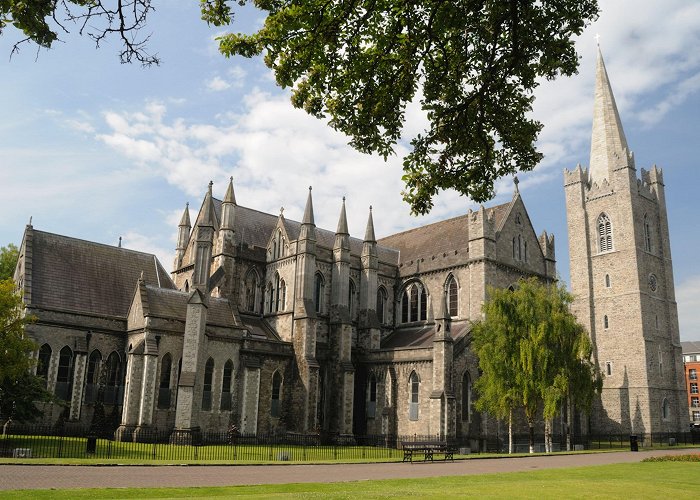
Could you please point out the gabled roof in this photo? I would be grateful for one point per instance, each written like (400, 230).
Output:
(438, 238)
(70, 274)
(172, 304)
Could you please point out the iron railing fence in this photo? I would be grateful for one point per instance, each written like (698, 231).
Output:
(76, 441)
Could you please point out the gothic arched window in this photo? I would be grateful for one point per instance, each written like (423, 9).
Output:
(166, 365)
(276, 395)
(251, 291)
(64, 377)
(114, 391)
(226, 388)
(452, 291)
(647, 234)
(381, 304)
(270, 298)
(665, 409)
(413, 303)
(351, 299)
(414, 386)
(372, 396)
(92, 379)
(605, 237)
(206, 390)
(42, 367)
(319, 286)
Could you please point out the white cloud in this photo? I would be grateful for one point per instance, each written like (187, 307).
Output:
(688, 298)
(148, 244)
(217, 84)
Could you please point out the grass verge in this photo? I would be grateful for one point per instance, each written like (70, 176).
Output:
(676, 480)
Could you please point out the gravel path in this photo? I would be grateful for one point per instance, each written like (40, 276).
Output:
(14, 477)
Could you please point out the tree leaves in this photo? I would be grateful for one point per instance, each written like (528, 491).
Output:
(532, 352)
(359, 63)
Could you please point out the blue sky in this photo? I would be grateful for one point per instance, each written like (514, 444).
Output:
(94, 149)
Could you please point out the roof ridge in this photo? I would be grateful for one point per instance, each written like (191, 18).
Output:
(99, 244)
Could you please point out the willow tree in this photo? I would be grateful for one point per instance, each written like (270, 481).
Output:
(533, 355)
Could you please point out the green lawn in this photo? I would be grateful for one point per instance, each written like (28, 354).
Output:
(640, 480)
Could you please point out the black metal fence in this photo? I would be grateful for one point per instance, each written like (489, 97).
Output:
(70, 441)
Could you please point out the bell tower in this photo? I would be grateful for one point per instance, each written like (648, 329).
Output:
(622, 279)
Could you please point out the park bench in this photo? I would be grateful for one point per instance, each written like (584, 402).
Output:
(428, 449)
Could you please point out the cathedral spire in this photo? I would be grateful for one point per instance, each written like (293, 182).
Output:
(308, 211)
(185, 220)
(369, 232)
(207, 218)
(228, 207)
(230, 197)
(342, 221)
(608, 142)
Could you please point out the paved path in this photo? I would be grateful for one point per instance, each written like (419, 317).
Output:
(80, 476)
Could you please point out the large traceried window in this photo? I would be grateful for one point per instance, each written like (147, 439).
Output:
(319, 288)
(275, 405)
(206, 392)
(605, 237)
(381, 304)
(413, 303)
(414, 387)
(452, 291)
(226, 387)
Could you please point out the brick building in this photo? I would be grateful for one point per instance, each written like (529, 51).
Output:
(691, 364)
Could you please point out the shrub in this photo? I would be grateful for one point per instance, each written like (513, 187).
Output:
(691, 457)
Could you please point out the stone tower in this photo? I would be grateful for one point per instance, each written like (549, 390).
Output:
(622, 278)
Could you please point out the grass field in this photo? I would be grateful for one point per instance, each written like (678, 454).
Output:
(675, 480)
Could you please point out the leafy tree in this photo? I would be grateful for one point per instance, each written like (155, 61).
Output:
(533, 354)
(14, 359)
(18, 397)
(41, 20)
(471, 65)
(20, 390)
(8, 261)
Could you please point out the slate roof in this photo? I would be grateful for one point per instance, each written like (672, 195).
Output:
(438, 239)
(75, 275)
(255, 228)
(691, 347)
(420, 336)
(172, 304)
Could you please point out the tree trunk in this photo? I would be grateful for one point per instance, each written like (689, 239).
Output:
(510, 432)
(569, 415)
(547, 435)
(531, 429)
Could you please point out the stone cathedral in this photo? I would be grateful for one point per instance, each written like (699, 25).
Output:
(273, 325)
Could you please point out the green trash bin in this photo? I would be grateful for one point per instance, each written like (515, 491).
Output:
(634, 443)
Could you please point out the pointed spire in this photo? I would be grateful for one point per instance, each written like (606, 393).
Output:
(208, 209)
(185, 220)
(342, 221)
(369, 232)
(230, 196)
(608, 142)
(444, 313)
(309, 211)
